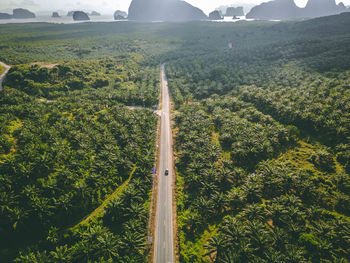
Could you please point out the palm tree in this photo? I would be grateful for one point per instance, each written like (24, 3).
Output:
(61, 254)
(232, 229)
(132, 225)
(81, 187)
(31, 257)
(136, 210)
(338, 260)
(53, 236)
(194, 222)
(294, 254)
(279, 238)
(273, 256)
(132, 242)
(254, 212)
(236, 198)
(219, 200)
(131, 195)
(225, 178)
(64, 201)
(217, 245)
(230, 256)
(276, 212)
(208, 188)
(258, 236)
(92, 232)
(7, 200)
(17, 216)
(204, 206)
(245, 250)
(107, 245)
(194, 167)
(253, 192)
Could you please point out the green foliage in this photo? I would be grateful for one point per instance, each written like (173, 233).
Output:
(262, 139)
(121, 80)
(243, 118)
(56, 42)
(68, 141)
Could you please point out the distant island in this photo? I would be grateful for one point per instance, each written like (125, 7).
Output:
(215, 15)
(229, 10)
(5, 16)
(18, 13)
(234, 11)
(164, 10)
(94, 13)
(120, 15)
(80, 16)
(287, 9)
(55, 15)
(317, 8)
(83, 15)
(21, 13)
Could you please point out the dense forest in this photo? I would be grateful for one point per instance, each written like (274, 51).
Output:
(262, 143)
(70, 140)
(262, 128)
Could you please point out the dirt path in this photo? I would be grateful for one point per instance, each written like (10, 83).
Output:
(3, 75)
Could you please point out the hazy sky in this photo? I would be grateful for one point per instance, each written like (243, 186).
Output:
(109, 6)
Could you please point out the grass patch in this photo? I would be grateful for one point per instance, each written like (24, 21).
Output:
(195, 251)
(301, 158)
(225, 155)
(2, 69)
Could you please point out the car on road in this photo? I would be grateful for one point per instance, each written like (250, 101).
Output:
(166, 172)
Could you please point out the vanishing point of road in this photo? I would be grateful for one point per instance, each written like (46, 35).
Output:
(164, 241)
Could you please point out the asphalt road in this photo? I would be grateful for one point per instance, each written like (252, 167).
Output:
(2, 76)
(164, 242)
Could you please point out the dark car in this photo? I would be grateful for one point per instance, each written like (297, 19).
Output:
(166, 172)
